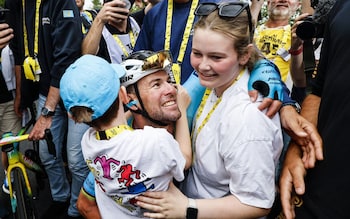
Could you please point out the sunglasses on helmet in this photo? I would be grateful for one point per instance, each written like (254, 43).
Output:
(160, 60)
(226, 9)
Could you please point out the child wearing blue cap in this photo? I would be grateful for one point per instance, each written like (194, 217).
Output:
(125, 162)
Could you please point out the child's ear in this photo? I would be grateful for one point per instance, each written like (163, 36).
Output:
(123, 95)
(126, 99)
(243, 59)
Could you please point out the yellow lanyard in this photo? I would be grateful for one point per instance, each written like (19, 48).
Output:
(122, 46)
(110, 133)
(185, 37)
(36, 28)
(201, 107)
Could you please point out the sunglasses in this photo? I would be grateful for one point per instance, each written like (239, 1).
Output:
(160, 60)
(226, 9)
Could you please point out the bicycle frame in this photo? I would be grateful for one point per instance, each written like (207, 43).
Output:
(16, 159)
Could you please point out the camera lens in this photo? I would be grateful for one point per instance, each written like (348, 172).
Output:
(306, 30)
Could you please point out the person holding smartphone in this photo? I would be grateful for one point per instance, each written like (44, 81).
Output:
(113, 33)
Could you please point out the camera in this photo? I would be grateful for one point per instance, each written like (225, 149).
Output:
(3, 12)
(309, 29)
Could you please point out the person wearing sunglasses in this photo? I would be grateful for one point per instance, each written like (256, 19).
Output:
(125, 162)
(168, 26)
(236, 146)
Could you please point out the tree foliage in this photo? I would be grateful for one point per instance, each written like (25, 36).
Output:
(96, 4)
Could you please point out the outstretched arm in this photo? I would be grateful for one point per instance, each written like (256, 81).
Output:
(173, 204)
(109, 12)
(299, 158)
(182, 132)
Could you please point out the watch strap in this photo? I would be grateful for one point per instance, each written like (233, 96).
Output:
(192, 211)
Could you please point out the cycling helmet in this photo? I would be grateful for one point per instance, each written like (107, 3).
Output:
(143, 63)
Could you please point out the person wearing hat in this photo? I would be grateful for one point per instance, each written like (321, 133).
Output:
(125, 162)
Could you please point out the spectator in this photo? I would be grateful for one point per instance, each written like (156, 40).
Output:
(321, 186)
(9, 121)
(223, 130)
(48, 42)
(113, 33)
(273, 37)
(87, 16)
(93, 100)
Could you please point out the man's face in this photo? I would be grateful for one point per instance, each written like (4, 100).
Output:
(282, 9)
(159, 97)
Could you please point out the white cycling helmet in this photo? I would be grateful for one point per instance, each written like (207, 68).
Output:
(143, 63)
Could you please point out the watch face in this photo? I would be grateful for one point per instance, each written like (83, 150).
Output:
(191, 213)
(46, 112)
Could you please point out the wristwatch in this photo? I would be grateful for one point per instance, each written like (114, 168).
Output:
(295, 104)
(46, 112)
(192, 210)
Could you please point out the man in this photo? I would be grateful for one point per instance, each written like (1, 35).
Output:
(46, 43)
(113, 33)
(87, 16)
(147, 107)
(9, 121)
(324, 191)
(273, 38)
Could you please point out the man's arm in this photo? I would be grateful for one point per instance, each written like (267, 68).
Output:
(87, 206)
(52, 99)
(109, 12)
(296, 163)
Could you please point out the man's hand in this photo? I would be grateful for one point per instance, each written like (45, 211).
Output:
(292, 177)
(113, 11)
(6, 34)
(304, 133)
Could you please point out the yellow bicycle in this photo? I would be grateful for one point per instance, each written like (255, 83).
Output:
(21, 195)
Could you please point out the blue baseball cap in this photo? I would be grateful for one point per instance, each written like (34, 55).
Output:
(91, 82)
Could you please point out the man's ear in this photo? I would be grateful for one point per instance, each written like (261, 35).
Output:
(243, 59)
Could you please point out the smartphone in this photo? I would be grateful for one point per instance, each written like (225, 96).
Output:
(3, 12)
(127, 3)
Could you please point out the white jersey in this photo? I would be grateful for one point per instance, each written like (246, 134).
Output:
(236, 151)
(133, 162)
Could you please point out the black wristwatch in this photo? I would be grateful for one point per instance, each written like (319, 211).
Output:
(46, 112)
(295, 104)
(192, 210)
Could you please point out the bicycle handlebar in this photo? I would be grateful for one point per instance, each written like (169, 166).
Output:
(13, 139)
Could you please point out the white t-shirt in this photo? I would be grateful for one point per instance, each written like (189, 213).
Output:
(237, 150)
(129, 164)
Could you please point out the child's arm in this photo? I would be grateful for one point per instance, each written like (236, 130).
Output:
(182, 132)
